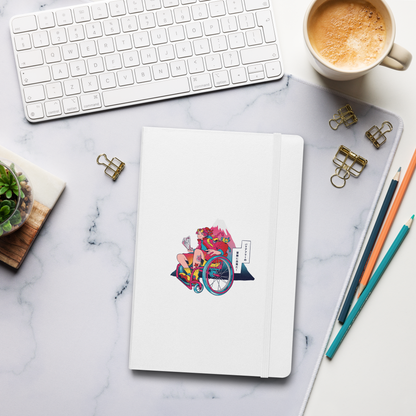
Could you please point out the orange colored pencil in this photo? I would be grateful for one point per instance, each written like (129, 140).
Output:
(387, 225)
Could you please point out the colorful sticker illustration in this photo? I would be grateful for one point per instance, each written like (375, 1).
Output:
(215, 263)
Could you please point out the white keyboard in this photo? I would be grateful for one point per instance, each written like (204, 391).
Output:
(112, 54)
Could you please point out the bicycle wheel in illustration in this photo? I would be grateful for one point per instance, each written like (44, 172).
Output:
(218, 275)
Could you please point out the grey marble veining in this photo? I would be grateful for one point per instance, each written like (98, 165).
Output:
(65, 315)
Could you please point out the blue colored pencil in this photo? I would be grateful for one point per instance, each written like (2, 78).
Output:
(370, 245)
(369, 289)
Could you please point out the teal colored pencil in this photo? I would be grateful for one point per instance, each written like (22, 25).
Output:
(369, 289)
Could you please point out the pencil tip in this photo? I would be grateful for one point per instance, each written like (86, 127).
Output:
(400, 169)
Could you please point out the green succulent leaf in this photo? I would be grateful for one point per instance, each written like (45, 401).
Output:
(16, 219)
(3, 190)
(9, 193)
(7, 227)
(2, 170)
(5, 210)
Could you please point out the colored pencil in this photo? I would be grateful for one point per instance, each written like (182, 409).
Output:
(369, 289)
(368, 249)
(387, 225)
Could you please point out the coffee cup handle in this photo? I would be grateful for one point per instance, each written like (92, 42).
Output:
(398, 58)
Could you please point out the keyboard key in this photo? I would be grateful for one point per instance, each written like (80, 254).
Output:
(213, 62)
(141, 39)
(246, 21)
(235, 6)
(99, 11)
(236, 40)
(113, 62)
(254, 37)
(211, 27)
(176, 33)
(117, 8)
(72, 87)
(64, 17)
(178, 68)
(147, 21)
(111, 27)
(46, 20)
(143, 74)
(58, 36)
(22, 42)
(91, 101)
(256, 4)
(262, 53)
(238, 75)
(70, 105)
(90, 84)
(54, 90)
(264, 19)
(196, 65)
(35, 111)
(123, 42)
(105, 45)
(70, 51)
(217, 8)
(160, 71)
(60, 71)
(107, 81)
(93, 30)
(221, 78)
(24, 24)
(201, 82)
(152, 4)
(199, 11)
(53, 108)
(76, 33)
(182, 15)
(129, 24)
(148, 91)
(52, 55)
(95, 65)
(82, 14)
(88, 48)
(135, 6)
(130, 59)
(40, 39)
(35, 75)
(77, 68)
(230, 59)
(35, 93)
(273, 69)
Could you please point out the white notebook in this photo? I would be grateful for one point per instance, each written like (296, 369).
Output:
(216, 252)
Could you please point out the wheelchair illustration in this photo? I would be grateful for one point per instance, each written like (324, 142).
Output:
(217, 275)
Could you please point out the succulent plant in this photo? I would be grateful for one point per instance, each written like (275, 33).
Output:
(9, 188)
(6, 209)
(8, 184)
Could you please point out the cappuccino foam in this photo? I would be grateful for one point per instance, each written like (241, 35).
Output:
(348, 34)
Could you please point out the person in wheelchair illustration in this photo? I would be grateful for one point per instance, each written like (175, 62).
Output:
(207, 265)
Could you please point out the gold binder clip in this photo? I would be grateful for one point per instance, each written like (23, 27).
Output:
(377, 136)
(345, 116)
(113, 168)
(347, 162)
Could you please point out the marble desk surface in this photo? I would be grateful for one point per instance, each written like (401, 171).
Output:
(65, 315)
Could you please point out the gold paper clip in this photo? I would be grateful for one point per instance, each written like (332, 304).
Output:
(347, 161)
(377, 136)
(345, 116)
(113, 168)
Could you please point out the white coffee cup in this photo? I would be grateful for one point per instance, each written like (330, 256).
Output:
(394, 56)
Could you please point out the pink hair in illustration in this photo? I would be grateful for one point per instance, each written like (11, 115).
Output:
(215, 263)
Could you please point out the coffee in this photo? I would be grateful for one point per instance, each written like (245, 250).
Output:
(350, 35)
